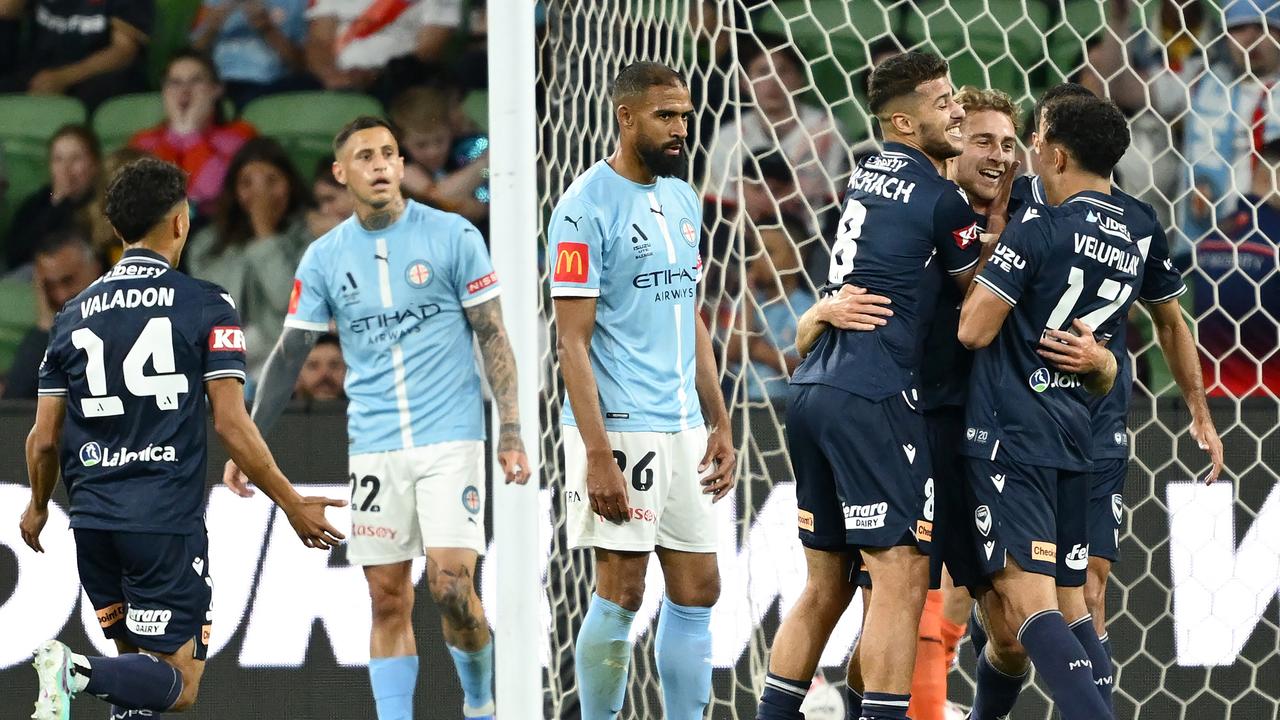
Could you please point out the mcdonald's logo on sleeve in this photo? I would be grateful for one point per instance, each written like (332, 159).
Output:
(572, 263)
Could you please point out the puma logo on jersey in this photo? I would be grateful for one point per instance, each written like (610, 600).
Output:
(573, 222)
(226, 339)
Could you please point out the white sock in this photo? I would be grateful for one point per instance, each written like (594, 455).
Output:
(80, 672)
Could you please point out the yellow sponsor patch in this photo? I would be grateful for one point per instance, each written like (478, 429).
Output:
(924, 531)
(806, 520)
(1044, 551)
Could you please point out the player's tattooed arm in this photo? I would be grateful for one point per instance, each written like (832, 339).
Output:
(42, 467)
(500, 368)
(1179, 349)
(852, 308)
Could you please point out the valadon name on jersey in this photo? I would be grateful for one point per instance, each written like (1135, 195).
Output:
(900, 216)
(131, 355)
(1160, 281)
(1053, 264)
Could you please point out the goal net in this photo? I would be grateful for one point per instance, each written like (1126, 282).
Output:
(779, 91)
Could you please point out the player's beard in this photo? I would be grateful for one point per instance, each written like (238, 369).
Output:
(937, 146)
(661, 164)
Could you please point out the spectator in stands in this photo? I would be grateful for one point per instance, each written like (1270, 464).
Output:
(1226, 98)
(441, 169)
(378, 46)
(333, 203)
(323, 372)
(102, 236)
(194, 135)
(812, 142)
(64, 265)
(75, 162)
(778, 294)
(257, 237)
(89, 49)
(1237, 291)
(256, 45)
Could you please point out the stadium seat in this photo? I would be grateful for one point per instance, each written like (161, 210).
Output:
(18, 298)
(117, 119)
(26, 124)
(171, 32)
(305, 122)
(476, 107)
(1005, 39)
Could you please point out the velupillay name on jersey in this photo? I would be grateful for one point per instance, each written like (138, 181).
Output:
(886, 186)
(1109, 255)
(391, 322)
(130, 298)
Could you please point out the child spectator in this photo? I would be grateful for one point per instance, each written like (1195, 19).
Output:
(441, 169)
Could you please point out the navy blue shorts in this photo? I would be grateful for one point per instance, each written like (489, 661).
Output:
(862, 470)
(152, 591)
(1039, 515)
(952, 543)
(1106, 507)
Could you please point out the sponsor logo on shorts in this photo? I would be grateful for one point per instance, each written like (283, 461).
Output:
(198, 566)
(471, 499)
(642, 514)
(1078, 558)
(1121, 438)
(805, 520)
(990, 547)
(573, 496)
(205, 632)
(1044, 551)
(977, 435)
(1117, 507)
(373, 531)
(910, 450)
(91, 454)
(982, 518)
(998, 480)
(148, 622)
(924, 531)
(110, 615)
(865, 517)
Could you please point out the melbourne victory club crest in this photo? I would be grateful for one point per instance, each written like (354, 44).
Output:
(689, 232)
(418, 273)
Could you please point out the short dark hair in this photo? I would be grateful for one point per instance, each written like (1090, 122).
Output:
(141, 194)
(1054, 94)
(71, 236)
(79, 132)
(900, 75)
(328, 339)
(230, 217)
(364, 122)
(324, 172)
(638, 77)
(1092, 129)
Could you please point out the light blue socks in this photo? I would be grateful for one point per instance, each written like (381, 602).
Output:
(601, 658)
(393, 680)
(475, 672)
(683, 649)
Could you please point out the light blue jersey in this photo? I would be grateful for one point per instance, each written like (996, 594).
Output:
(634, 248)
(398, 297)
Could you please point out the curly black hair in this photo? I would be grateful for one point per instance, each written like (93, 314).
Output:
(141, 194)
(1092, 129)
(899, 75)
(1054, 94)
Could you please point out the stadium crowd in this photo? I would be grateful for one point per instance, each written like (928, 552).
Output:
(185, 80)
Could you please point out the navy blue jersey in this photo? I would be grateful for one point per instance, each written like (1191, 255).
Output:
(944, 363)
(1160, 282)
(899, 213)
(131, 354)
(1052, 264)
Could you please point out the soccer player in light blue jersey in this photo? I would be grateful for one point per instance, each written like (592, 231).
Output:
(409, 288)
(647, 442)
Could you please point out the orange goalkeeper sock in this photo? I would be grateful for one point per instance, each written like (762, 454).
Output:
(929, 684)
(951, 636)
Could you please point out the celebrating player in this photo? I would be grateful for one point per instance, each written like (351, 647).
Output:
(1161, 284)
(408, 287)
(642, 469)
(858, 443)
(1066, 274)
(130, 443)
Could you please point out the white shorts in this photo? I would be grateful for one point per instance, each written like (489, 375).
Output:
(668, 507)
(403, 501)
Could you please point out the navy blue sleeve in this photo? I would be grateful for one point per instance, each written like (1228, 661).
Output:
(1161, 280)
(1012, 266)
(956, 228)
(53, 374)
(224, 348)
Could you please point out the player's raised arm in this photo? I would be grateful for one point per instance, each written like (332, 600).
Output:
(1180, 352)
(500, 368)
(249, 452)
(720, 457)
(42, 466)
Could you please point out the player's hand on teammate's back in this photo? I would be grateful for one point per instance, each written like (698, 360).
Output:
(32, 523)
(235, 479)
(721, 459)
(1076, 352)
(308, 520)
(853, 308)
(607, 488)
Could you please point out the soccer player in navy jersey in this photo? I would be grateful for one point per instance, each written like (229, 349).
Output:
(1064, 277)
(647, 439)
(857, 439)
(121, 414)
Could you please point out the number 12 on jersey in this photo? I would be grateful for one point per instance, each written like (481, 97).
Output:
(155, 342)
